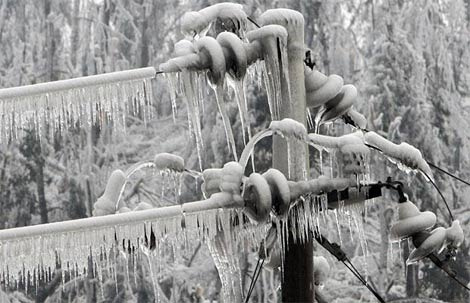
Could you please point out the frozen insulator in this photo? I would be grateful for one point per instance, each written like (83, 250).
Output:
(257, 197)
(212, 178)
(143, 206)
(340, 104)
(212, 49)
(235, 54)
(321, 88)
(321, 270)
(433, 242)
(355, 118)
(106, 204)
(411, 221)
(166, 161)
(280, 191)
(232, 174)
(269, 37)
(454, 234)
(230, 15)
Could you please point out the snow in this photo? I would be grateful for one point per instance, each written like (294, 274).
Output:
(257, 196)
(408, 155)
(184, 47)
(231, 182)
(281, 16)
(289, 128)
(166, 161)
(411, 221)
(280, 191)
(340, 104)
(106, 204)
(216, 57)
(432, 244)
(211, 177)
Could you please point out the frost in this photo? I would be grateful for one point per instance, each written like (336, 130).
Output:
(409, 156)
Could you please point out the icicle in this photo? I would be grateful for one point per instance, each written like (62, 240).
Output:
(61, 104)
(219, 93)
(239, 90)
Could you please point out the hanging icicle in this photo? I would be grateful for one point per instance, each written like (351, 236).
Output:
(56, 106)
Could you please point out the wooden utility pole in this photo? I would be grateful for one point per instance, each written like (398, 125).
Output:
(298, 282)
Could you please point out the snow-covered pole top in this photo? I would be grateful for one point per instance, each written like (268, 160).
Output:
(63, 85)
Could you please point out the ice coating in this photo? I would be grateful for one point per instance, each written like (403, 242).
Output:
(433, 243)
(408, 155)
(358, 119)
(454, 234)
(281, 16)
(289, 128)
(65, 103)
(235, 54)
(411, 221)
(340, 104)
(212, 178)
(143, 206)
(184, 47)
(320, 88)
(273, 41)
(318, 186)
(280, 191)
(257, 197)
(200, 21)
(166, 161)
(216, 57)
(106, 204)
(231, 182)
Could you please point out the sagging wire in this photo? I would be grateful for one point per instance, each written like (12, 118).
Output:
(335, 250)
(451, 273)
(256, 273)
(448, 173)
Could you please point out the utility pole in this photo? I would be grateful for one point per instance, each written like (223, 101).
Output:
(297, 281)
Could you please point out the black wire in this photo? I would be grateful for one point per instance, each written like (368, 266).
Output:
(440, 193)
(448, 173)
(354, 270)
(256, 273)
(253, 21)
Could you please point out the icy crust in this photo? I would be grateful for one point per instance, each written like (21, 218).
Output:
(199, 22)
(216, 57)
(60, 104)
(289, 128)
(184, 47)
(355, 138)
(321, 88)
(282, 16)
(271, 31)
(340, 104)
(434, 243)
(257, 197)
(280, 191)
(357, 118)
(166, 161)
(408, 155)
(318, 186)
(411, 221)
(235, 54)
(106, 204)
(227, 179)
(454, 234)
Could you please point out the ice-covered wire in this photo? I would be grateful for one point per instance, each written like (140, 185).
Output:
(254, 22)
(356, 273)
(256, 273)
(430, 180)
